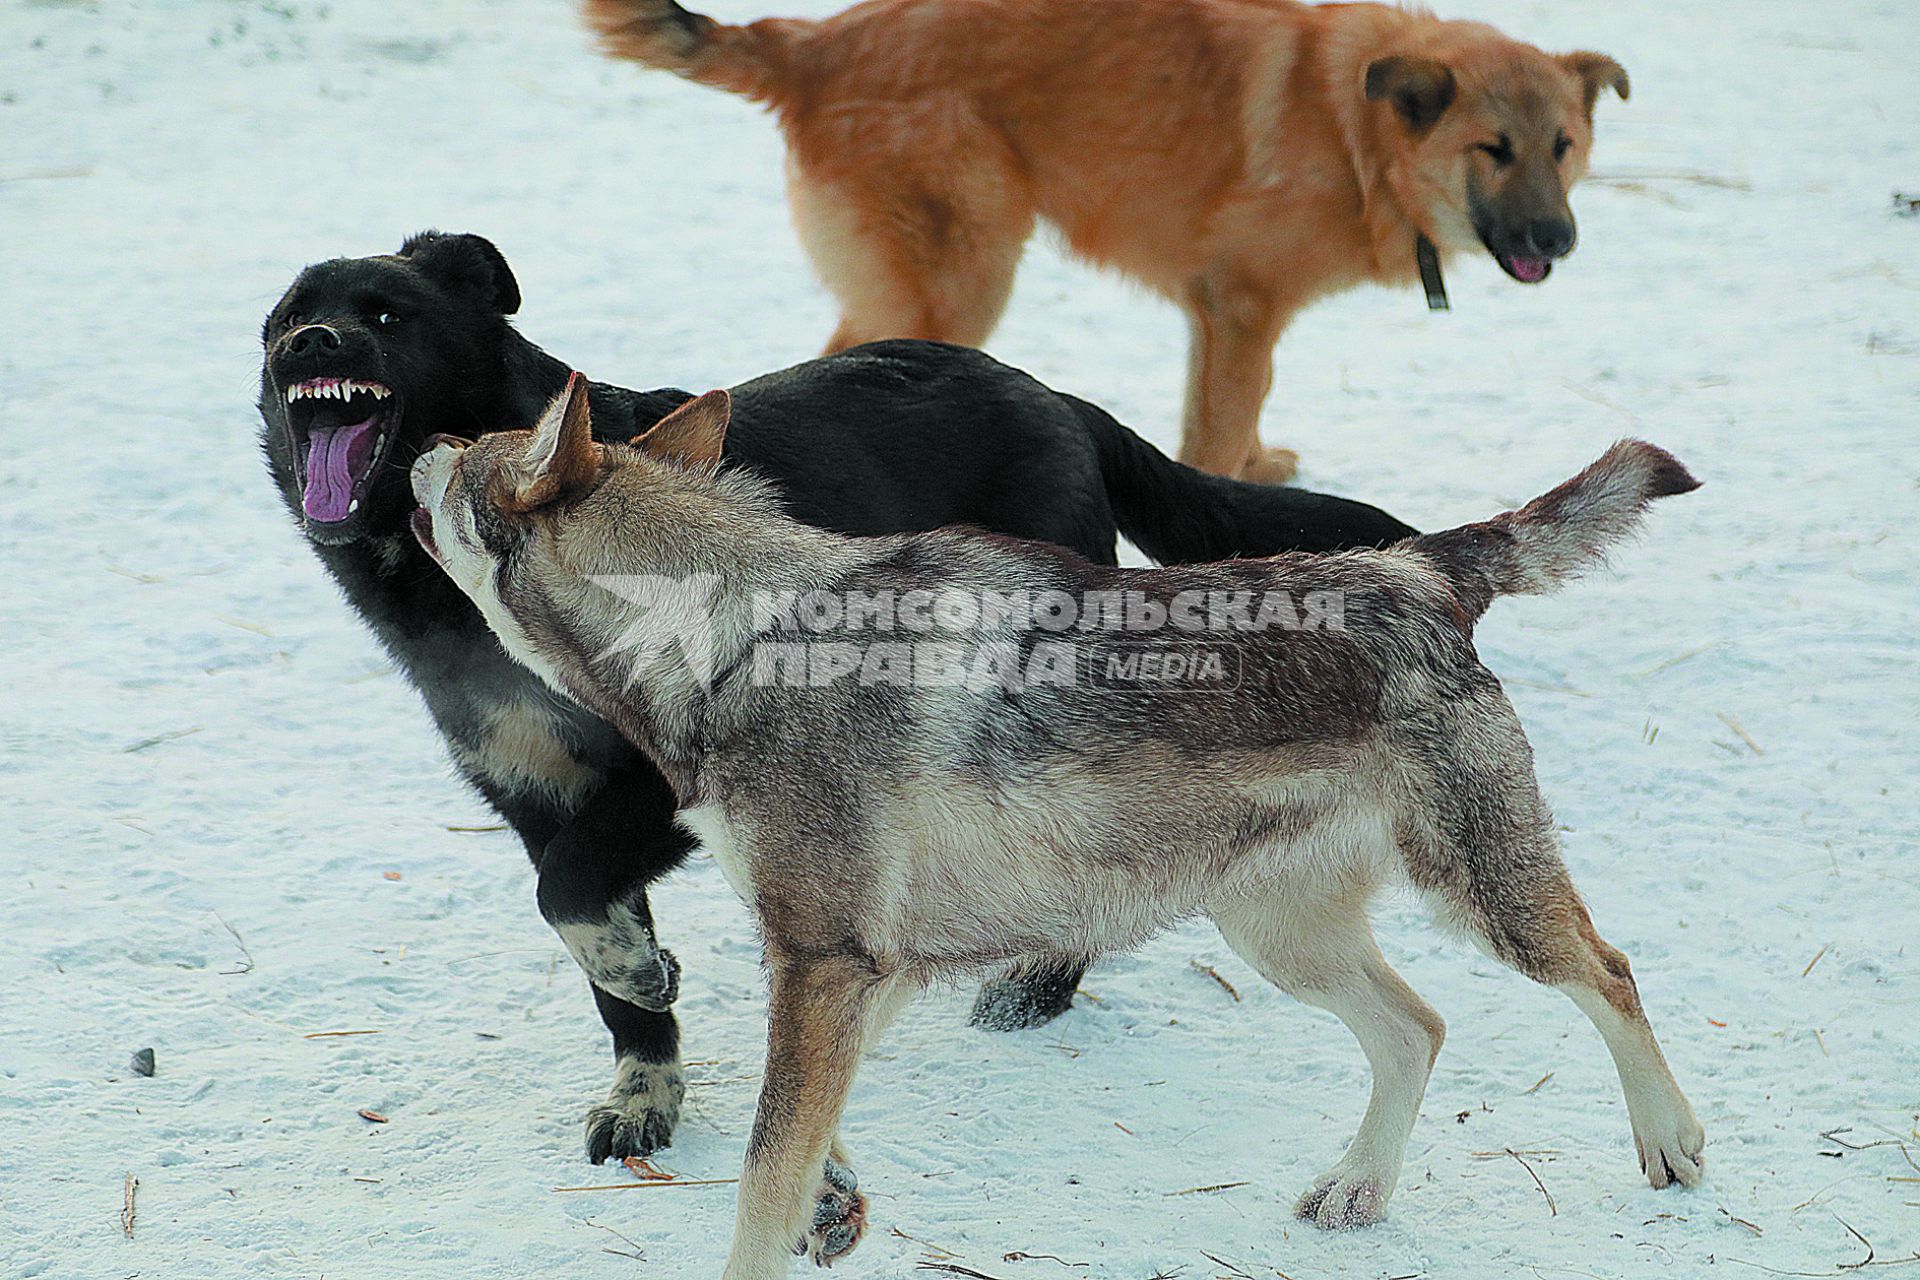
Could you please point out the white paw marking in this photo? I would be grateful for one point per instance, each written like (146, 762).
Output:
(1340, 1201)
(1671, 1149)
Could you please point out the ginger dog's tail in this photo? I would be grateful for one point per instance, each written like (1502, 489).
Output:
(750, 61)
(1559, 534)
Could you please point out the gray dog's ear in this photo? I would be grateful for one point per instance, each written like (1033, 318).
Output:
(468, 263)
(1596, 71)
(692, 435)
(1421, 89)
(562, 458)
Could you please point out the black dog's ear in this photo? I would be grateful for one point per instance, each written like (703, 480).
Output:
(466, 262)
(1421, 89)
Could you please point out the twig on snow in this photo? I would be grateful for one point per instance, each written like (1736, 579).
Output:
(1206, 1191)
(1553, 1210)
(159, 738)
(1672, 175)
(1222, 1262)
(246, 968)
(924, 1244)
(955, 1269)
(1018, 1256)
(1736, 726)
(1214, 973)
(648, 1186)
(638, 1255)
(1816, 960)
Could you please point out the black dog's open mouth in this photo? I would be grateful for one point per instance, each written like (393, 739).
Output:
(344, 426)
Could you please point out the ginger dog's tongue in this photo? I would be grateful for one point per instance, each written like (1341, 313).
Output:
(335, 458)
(1530, 269)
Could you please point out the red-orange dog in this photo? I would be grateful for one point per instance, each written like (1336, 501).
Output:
(1242, 157)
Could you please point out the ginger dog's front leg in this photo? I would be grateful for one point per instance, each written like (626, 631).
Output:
(816, 1023)
(1234, 325)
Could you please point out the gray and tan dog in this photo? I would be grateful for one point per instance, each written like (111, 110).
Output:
(1010, 804)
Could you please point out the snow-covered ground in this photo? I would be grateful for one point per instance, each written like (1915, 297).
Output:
(228, 825)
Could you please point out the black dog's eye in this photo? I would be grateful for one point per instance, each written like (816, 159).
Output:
(386, 319)
(1501, 151)
(1562, 145)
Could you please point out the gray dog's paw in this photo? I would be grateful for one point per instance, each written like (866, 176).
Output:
(1341, 1202)
(839, 1217)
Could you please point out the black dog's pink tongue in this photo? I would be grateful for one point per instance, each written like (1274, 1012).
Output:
(336, 457)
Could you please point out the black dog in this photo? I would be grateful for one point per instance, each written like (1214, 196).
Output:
(367, 357)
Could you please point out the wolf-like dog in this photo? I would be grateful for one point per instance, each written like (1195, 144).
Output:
(886, 831)
(1242, 158)
(364, 358)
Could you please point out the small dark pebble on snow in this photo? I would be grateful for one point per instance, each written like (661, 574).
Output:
(143, 1061)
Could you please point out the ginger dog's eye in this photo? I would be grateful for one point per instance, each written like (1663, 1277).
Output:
(1501, 152)
(1562, 145)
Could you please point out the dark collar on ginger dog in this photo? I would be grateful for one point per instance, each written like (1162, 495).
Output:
(1429, 259)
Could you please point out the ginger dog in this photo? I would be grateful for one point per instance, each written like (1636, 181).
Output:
(991, 786)
(1240, 157)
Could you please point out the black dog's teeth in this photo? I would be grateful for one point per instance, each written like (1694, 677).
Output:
(335, 389)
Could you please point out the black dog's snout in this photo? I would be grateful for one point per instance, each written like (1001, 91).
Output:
(1550, 237)
(315, 338)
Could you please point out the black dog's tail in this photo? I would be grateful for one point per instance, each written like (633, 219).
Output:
(1180, 515)
(755, 61)
(1559, 534)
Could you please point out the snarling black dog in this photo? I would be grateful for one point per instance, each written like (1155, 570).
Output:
(367, 357)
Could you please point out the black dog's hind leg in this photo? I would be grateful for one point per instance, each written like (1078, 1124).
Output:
(593, 890)
(1027, 995)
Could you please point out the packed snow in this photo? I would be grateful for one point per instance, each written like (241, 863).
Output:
(232, 834)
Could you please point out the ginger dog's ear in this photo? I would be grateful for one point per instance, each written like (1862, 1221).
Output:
(1421, 89)
(562, 458)
(1596, 71)
(692, 435)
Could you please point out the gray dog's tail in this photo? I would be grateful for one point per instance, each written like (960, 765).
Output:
(754, 61)
(1559, 534)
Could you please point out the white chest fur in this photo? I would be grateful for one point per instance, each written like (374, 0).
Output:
(709, 825)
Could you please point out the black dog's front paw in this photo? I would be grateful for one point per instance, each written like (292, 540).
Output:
(1026, 996)
(639, 1115)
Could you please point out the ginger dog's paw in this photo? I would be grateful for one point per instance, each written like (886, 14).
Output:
(639, 1115)
(1272, 466)
(1341, 1202)
(839, 1216)
(1673, 1153)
